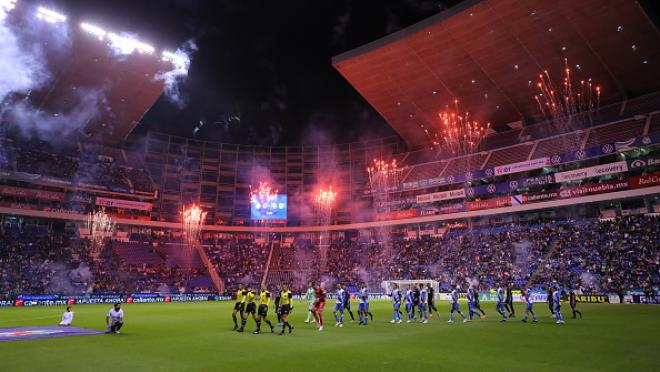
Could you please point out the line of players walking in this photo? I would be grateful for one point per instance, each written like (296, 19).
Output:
(419, 298)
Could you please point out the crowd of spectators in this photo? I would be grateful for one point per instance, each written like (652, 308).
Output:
(84, 165)
(595, 256)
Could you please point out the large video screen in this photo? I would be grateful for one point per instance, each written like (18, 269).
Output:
(273, 210)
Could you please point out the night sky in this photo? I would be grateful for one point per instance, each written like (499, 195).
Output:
(265, 62)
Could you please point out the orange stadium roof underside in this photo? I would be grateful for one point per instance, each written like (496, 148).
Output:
(489, 53)
(127, 84)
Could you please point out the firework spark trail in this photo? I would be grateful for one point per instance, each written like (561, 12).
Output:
(192, 219)
(570, 106)
(325, 202)
(459, 133)
(100, 226)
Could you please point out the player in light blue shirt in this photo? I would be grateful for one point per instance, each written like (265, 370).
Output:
(500, 302)
(395, 293)
(472, 309)
(339, 307)
(528, 306)
(363, 305)
(410, 309)
(556, 300)
(423, 304)
(455, 307)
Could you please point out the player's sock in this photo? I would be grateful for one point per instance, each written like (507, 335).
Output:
(360, 316)
(371, 316)
(235, 321)
(351, 314)
(451, 316)
(336, 317)
(341, 318)
(462, 315)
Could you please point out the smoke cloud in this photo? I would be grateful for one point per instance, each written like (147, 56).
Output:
(175, 77)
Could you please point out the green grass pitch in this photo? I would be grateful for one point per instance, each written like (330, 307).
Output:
(198, 337)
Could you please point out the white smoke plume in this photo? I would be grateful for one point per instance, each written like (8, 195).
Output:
(173, 78)
(22, 66)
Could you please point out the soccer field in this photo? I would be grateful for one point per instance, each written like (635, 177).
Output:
(198, 337)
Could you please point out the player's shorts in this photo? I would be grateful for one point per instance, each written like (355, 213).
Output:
(310, 306)
(396, 305)
(347, 305)
(364, 307)
(421, 306)
(557, 307)
(263, 310)
(528, 306)
(285, 309)
(431, 304)
(251, 308)
(339, 307)
(239, 306)
(318, 306)
(455, 307)
(409, 306)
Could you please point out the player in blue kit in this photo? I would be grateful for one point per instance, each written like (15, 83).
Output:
(339, 307)
(347, 303)
(363, 305)
(472, 297)
(410, 309)
(500, 302)
(396, 296)
(423, 304)
(528, 306)
(556, 300)
(455, 307)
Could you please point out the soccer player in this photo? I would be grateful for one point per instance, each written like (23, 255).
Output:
(431, 300)
(472, 298)
(347, 303)
(551, 305)
(363, 305)
(573, 302)
(67, 317)
(262, 312)
(395, 293)
(415, 299)
(309, 296)
(455, 307)
(508, 302)
(556, 300)
(114, 319)
(339, 307)
(477, 305)
(278, 297)
(250, 308)
(285, 308)
(239, 306)
(500, 303)
(319, 305)
(410, 308)
(528, 307)
(423, 303)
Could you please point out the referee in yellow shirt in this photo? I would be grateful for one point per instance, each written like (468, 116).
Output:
(250, 308)
(262, 312)
(239, 306)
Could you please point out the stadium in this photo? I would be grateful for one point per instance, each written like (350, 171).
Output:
(488, 201)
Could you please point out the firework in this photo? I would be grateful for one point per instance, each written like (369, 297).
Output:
(325, 202)
(459, 134)
(570, 106)
(383, 178)
(192, 219)
(100, 226)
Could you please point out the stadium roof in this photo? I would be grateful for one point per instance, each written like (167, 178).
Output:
(488, 54)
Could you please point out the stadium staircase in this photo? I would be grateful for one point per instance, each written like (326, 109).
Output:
(273, 246)
(217, 282)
